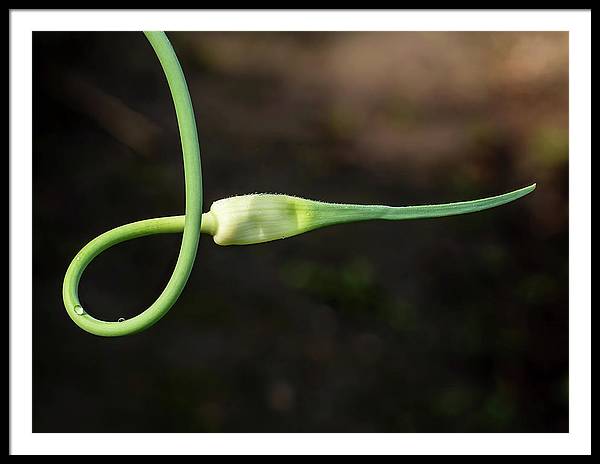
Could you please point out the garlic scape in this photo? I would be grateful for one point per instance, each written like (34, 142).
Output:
(240, 220)
(258, 218)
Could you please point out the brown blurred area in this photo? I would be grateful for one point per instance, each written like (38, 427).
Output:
(449, 325)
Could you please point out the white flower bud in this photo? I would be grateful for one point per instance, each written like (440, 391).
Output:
(262, 217)
(258, 218)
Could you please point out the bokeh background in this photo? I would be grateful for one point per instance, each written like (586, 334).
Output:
(445, 325)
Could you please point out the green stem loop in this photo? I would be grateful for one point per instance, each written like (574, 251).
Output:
(190, 223)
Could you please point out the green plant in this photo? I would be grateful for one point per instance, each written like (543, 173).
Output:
(239, 220)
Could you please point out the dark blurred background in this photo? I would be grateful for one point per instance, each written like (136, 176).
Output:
(445, 325)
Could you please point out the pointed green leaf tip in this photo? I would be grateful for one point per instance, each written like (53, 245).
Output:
(261, 217)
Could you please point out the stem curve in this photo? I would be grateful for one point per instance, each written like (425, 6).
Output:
(190, 223)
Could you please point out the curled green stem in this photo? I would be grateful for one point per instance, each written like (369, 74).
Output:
(190, 224)
(239, 220)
